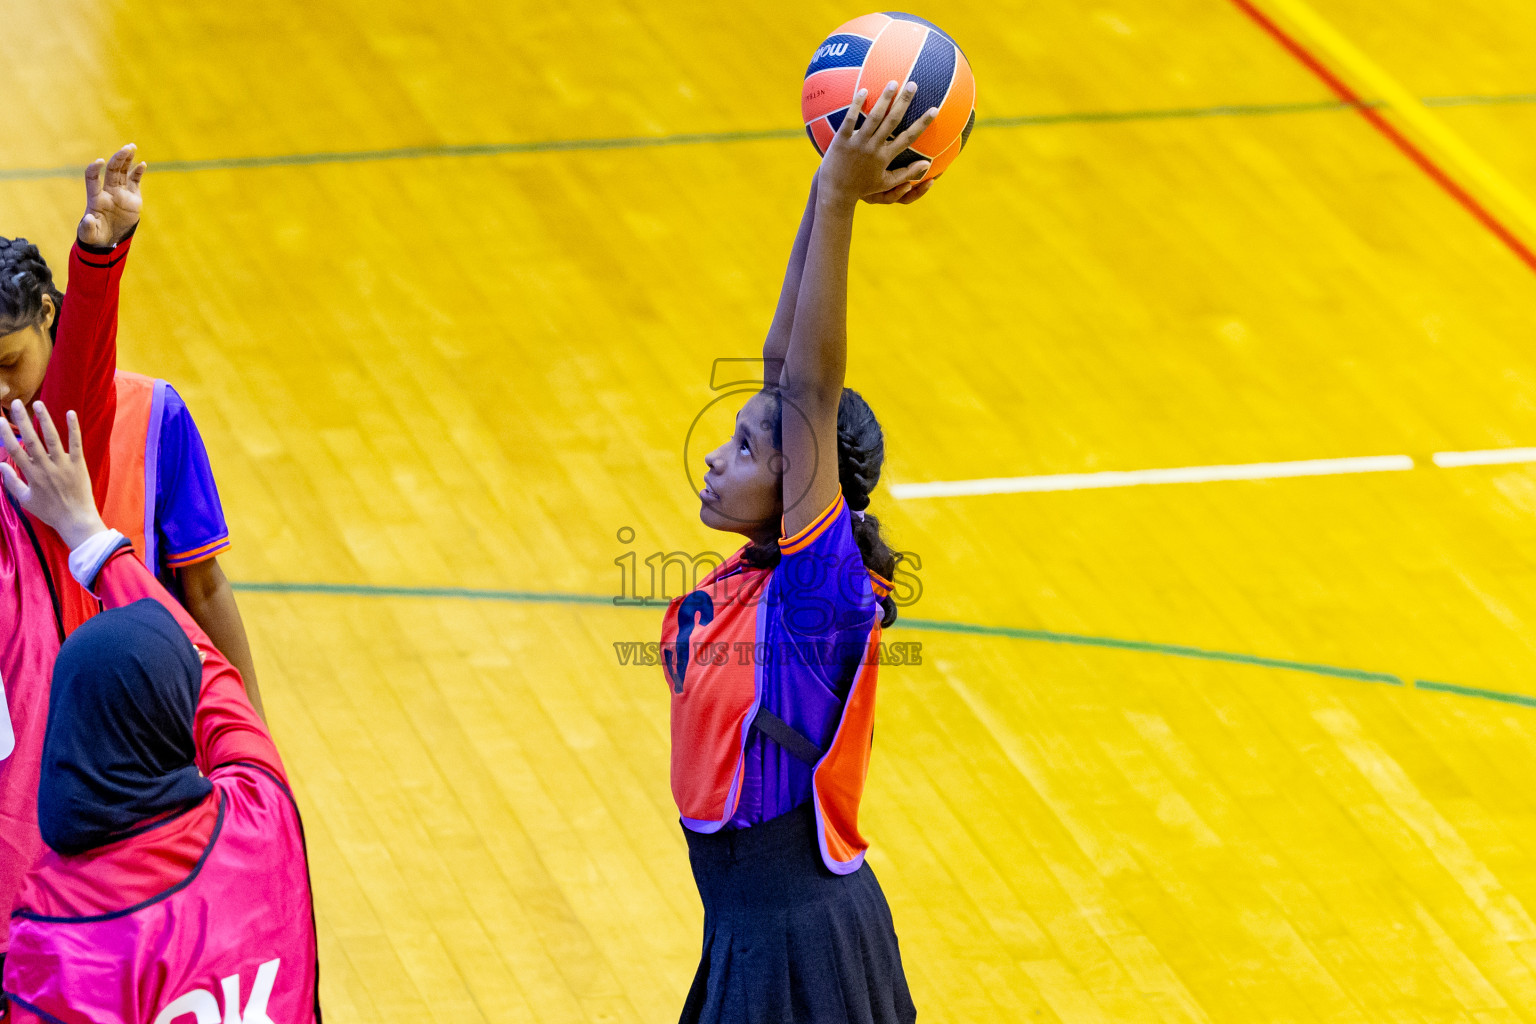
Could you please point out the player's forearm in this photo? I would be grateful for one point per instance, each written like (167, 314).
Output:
(818, 350)
(84, 359)
(228, 725)
(211, 602)
(777, 343)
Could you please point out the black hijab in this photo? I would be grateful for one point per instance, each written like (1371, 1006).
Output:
(119, 749)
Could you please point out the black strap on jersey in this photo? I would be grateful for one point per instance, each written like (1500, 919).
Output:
(53, 590)
(787, 736)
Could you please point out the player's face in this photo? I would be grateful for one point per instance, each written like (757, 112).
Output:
(24, 358)
(741, 489)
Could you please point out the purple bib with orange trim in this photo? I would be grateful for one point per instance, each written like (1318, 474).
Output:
(773, 676)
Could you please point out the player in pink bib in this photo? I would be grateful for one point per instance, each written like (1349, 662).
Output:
(771, 660)
(175, 889)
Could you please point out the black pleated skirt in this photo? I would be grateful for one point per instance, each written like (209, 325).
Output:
(785, 940)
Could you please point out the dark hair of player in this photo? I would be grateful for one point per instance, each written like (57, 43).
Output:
(24, 280)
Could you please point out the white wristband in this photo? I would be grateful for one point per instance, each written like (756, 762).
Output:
(86, 560)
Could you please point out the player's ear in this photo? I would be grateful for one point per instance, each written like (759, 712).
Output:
(50, 312)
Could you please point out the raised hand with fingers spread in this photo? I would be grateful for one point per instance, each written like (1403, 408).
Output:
(112, 198)
(857, 163)
(53, 483)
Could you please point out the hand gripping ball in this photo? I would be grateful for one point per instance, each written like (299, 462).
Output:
(872, 50)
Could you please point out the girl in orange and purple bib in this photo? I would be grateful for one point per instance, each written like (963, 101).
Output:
(771, 660)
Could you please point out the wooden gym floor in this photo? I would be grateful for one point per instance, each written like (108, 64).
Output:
(443, 284)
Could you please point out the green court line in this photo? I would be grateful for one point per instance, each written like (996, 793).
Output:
(922, 625)
(1473, 691)
(1494, 100)
(1148, 647)
(423, 152)
(928, 625)
(716, 138)
(1165, 114)
(465, 593)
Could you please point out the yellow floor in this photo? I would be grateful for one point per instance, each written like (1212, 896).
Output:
(472, 371)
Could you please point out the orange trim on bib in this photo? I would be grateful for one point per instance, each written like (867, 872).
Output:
(202, 554)
(806, 537)
(879, 584)
(837, 785)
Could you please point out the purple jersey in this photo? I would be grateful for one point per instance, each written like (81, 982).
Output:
(189, 518)
(820, 604)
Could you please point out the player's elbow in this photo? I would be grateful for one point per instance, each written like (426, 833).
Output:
(810, 393)
(202, 584)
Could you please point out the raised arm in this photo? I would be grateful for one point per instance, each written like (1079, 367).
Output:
(84, 359)
(57, 490)
(811, 381)
(777, 343)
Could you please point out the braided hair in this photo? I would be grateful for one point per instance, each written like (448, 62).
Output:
(860, 456)
(24, 280)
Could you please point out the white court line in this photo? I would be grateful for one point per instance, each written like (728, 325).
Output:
(1206, 474)
(1139, 477)
(1488, 457)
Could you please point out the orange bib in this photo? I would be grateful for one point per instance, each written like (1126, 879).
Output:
(130, 504)
(715, 692)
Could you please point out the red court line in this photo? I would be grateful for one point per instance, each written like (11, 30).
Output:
(1342, 90)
